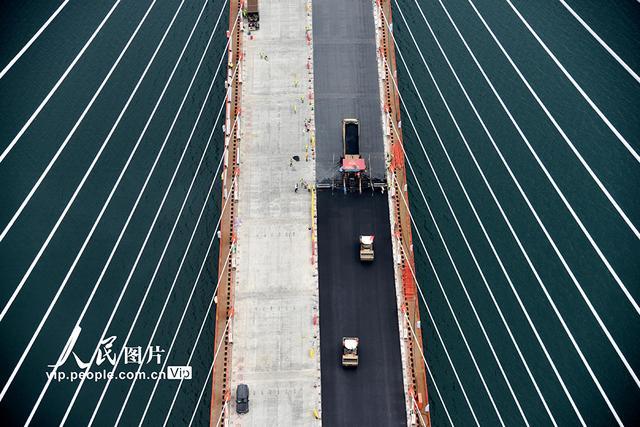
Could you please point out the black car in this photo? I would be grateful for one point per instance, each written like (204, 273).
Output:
(242, 399)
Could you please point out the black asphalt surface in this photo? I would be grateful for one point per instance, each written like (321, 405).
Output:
(358, 299)
(345, 83)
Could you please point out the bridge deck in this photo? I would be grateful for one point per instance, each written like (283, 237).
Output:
(346, 83)
(358, 299)
(276, 348)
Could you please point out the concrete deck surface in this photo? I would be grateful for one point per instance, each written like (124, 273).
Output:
(276, 341)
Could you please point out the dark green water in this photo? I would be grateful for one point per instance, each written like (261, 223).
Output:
(618, 96)
(21, 90)
(610, 87)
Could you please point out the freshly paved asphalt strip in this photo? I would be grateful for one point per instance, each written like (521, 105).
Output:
(358, 299)
(346, 83)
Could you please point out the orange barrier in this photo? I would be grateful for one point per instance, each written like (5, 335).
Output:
(408, 284)
(391, 107)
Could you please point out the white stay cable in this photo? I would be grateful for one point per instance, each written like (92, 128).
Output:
(215, 356)
(166, 302)
(575, 84)
(75, 127)
(597, 180)
(433, 380)
(204, 387)
(521, 247)
(415, 404)
(164, 306)
(464, 288)
(173, 340)
(95, 161)
(462, 233)
(564, 136)
(84, 245)
(435, 326)
(536, 216)
(455, 372)
(484, 280)
(126, 340)
(142, 248)
(419, 345)
(455, 318)
(222, 412)
(55, 87)
(144, 414)
(33, 39)
(103, 272)
(615, 56)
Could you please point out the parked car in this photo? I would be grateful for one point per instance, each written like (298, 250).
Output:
(242, 399)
